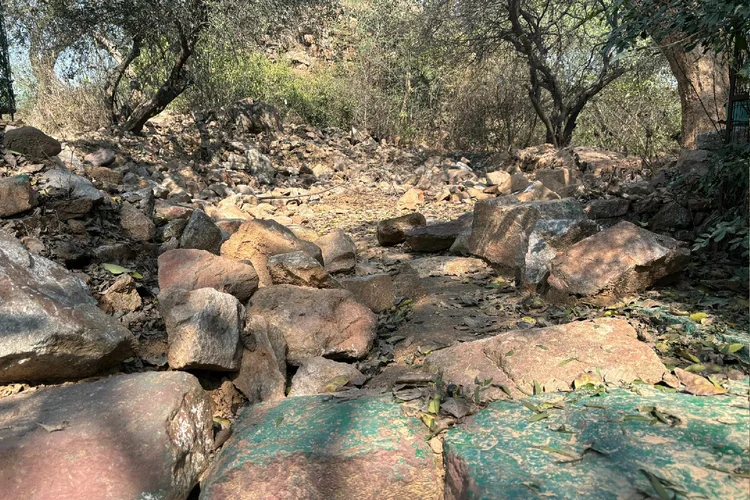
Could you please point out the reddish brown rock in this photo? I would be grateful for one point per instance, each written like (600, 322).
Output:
(121, 296)
(262, 376)
(193, 269)
(16, 195)
(536, 191)
(329, 322)
(393, 231)
(501, 180)
(554, 357)
(132, 436)
(104, 175)
(257, 240)
(621, 260)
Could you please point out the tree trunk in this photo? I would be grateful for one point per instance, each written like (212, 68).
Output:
(702, 82)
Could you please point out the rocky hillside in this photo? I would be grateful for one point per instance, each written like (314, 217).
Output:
(232, 307)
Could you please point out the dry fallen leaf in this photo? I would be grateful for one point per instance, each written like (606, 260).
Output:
(695, 384)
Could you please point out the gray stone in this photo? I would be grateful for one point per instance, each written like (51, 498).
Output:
(201, 233)
(74, 195)
(204, 328)
(142, 436)
(50, 326)
(672, 216)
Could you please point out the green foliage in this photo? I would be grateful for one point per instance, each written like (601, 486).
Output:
(734, 233)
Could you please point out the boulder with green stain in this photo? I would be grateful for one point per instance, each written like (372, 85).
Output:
(611, 446)
(325, 447)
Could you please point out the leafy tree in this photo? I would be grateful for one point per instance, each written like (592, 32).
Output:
(702, 39)
(565, 46)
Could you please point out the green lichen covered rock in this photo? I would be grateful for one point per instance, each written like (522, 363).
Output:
(616, 445)
(325, 447)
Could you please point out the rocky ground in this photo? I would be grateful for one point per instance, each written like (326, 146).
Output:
(229, 307)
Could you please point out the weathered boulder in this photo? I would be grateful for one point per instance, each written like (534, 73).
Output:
(50, 326)
(311, 447)
(321, 375)
(16, 195)
(375, 291)
(257, 240)
(132, 436)
(201, 233)
(437, 237)
(339, 251)
(556, 179)
(607, 208)
(554, 357)
(193, 269)
(31, 142)
(329, 323)
(621, 260)
(136, 224)
(393, 231)
(299, 268)
(204, 328)
(693, 161)
(502, 452)
(411, 200)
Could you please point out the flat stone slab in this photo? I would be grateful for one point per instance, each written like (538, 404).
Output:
(502, 453)
(328, 448)
(144, 436)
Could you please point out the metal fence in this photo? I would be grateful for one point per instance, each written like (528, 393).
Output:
(7, 99)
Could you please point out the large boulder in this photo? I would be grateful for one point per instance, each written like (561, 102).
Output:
(31, 142)
(50, 325)
(312, 447)
(257, 240)
(608, 446)
(329, 323)
(204, 328)
(299, 268)
(132, 436)
(551, 358)
(16, 195)
(321, 375)
(193, 269)
(502, 231)
(621, 260)
(393, 231)
(339, 251)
